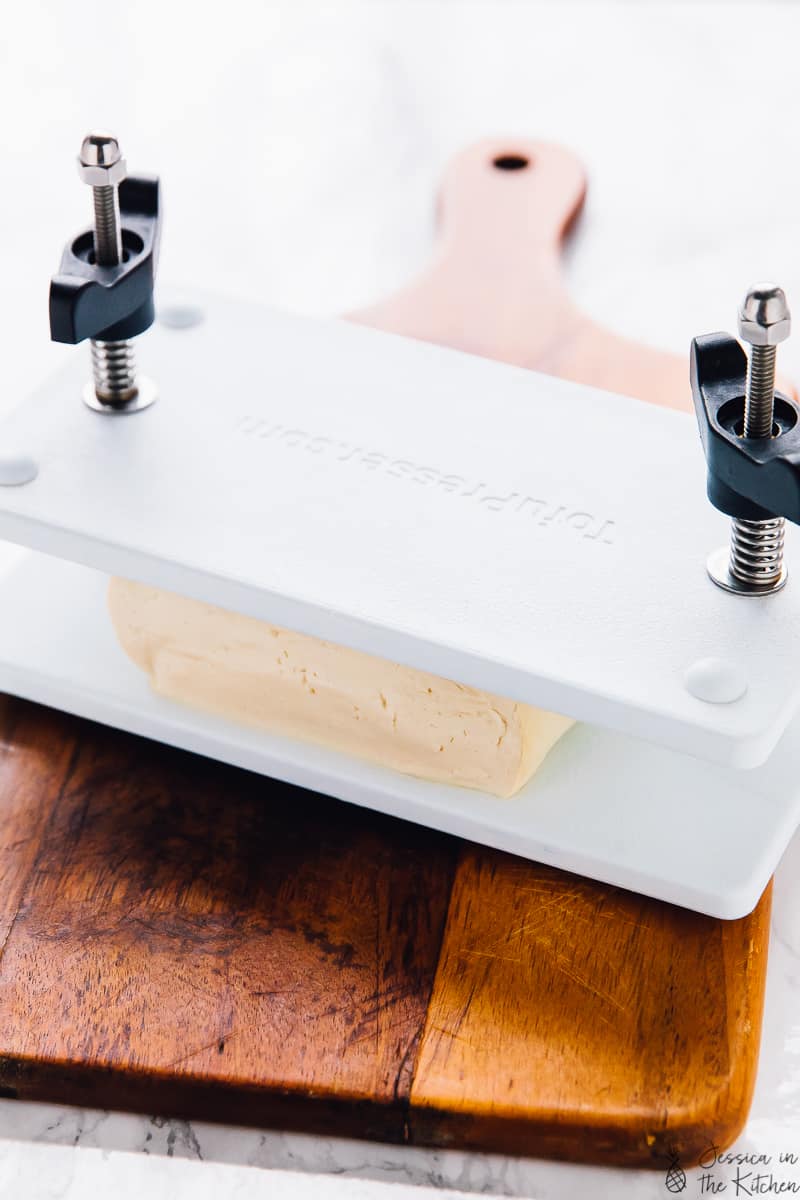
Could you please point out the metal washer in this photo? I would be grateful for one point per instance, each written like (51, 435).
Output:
(718, 567)
(146, 394)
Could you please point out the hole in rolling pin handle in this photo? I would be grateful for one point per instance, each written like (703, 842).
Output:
(511, 162)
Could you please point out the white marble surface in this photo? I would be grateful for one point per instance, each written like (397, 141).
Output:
(300, 146)
(60, 1173)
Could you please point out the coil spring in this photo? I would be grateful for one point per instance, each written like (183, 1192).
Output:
(114, 370)
(757, 550)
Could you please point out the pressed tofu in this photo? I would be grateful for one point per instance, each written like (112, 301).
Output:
(289, 683)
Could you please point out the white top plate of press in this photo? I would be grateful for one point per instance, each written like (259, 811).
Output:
(503, 528)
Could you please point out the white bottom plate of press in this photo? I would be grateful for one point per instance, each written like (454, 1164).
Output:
(610, 807)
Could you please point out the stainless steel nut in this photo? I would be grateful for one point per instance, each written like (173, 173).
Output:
(103, 176)
(764, 317)
(100, 162)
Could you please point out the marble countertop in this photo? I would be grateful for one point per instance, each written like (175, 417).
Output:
(61, 1173)
(322, 131)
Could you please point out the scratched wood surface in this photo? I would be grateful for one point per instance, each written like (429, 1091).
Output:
(180, 937)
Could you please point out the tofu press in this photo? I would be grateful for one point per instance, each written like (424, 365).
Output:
(423, 505)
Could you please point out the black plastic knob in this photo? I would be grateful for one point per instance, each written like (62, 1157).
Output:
(751, 479)
(110, 303)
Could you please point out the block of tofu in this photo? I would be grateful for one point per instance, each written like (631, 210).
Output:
(253, 672)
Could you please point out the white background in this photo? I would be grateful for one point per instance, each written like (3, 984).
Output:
(300, 147)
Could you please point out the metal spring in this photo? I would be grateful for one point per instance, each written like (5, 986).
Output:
(757, 550)
(114, 370)
(107, 236)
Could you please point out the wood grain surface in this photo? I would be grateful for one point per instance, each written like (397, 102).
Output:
(185, 938)
(177, 922)
(583, 1022)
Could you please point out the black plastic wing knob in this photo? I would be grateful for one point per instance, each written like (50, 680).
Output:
(110, 303)
(751, 479)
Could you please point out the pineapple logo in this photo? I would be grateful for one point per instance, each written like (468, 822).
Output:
(675, 1180)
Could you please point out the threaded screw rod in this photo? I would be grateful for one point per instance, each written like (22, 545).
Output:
(759, 401)
(756, 547)
(102, 166)
(107, 231)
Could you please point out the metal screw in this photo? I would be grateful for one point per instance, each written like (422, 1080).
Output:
(101, 165)
(754, 565)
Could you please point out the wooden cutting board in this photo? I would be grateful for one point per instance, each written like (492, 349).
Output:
(184, 938)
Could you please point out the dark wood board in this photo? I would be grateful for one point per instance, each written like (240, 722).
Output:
(180, 937)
